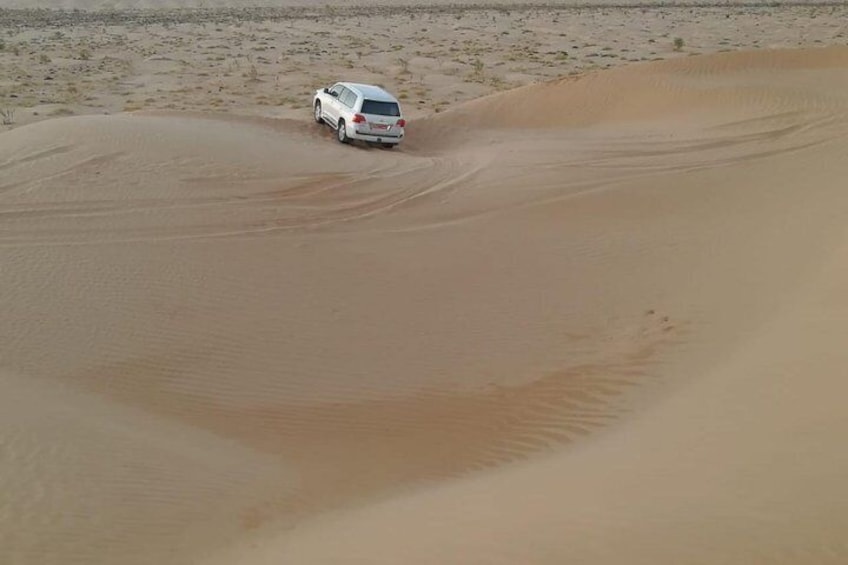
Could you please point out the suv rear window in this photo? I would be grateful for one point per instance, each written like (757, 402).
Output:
(380, 108)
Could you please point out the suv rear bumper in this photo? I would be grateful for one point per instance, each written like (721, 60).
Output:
(376, 137)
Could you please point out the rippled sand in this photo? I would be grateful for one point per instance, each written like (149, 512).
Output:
(594, 320)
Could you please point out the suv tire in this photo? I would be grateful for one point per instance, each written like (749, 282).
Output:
(318, 117)
(341, 133)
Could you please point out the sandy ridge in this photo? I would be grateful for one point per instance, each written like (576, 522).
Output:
(611, 333)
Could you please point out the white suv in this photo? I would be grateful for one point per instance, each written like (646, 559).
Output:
(360, 111)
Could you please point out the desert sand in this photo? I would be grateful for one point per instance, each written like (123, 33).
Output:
(588, 313)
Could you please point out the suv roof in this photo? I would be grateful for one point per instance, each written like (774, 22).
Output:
(370, 91)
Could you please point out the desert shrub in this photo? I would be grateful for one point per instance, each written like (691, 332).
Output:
(7, 115)
(678, 43)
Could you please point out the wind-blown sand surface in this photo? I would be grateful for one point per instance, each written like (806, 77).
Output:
(594, 320)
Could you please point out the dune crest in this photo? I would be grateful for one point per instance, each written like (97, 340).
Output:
(609, 332)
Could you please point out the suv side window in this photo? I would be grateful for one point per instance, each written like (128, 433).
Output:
(336, 91)
(348, 98)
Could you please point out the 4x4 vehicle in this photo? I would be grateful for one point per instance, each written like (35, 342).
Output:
(360, 111)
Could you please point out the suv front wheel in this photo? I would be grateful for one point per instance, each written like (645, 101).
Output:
(318, 114)
(341, 132)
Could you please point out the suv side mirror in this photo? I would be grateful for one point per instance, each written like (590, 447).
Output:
(326, 90)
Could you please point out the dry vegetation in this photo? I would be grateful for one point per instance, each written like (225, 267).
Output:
(266, 61)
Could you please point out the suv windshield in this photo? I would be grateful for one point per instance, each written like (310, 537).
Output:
(380, 108)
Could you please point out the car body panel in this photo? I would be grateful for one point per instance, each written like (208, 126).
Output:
(344, 100)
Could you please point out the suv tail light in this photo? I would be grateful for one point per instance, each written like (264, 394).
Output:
(359, 119)
(401, 123)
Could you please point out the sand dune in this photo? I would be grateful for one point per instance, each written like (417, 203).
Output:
(609, 332)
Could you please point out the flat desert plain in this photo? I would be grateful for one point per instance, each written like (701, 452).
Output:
(594, 309)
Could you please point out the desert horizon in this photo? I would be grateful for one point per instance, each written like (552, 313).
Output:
(590, 310)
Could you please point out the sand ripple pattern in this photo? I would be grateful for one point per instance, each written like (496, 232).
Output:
(216, 329)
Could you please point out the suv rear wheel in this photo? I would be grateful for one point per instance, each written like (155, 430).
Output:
(341, 132)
